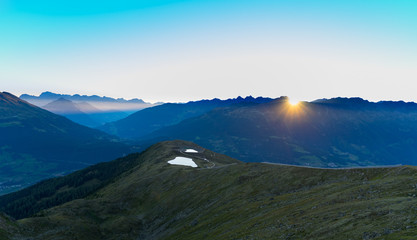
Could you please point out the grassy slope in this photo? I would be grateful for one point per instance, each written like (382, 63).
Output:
(237, 201)
(55, 191)
(8, 227)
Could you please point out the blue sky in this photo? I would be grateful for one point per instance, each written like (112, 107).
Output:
(186, 50)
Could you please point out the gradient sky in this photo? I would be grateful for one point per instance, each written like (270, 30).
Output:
(171, 50)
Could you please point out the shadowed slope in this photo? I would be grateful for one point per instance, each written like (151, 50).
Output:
(151, 119)
(329, 133)
(36, 144)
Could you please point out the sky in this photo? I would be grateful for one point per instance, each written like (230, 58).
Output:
(181, 50)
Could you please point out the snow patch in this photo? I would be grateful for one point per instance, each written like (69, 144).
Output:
(183, 161)
(190, 150)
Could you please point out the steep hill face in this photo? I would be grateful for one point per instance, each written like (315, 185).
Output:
(153, 199)
(327, 133)
(145, 121)
(37, 144)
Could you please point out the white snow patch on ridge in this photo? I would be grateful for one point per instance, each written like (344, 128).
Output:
(191, 151)
(183, 161)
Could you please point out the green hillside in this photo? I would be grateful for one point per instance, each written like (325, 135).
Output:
(233, 200)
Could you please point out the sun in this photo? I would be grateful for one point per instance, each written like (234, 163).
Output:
(293, 109)
(293, 102)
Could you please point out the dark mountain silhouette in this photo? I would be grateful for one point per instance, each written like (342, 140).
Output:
(145, 121)
(141, 196)
(37, 144)
(326, 133)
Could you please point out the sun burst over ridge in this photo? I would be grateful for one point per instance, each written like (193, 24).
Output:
(293, 102)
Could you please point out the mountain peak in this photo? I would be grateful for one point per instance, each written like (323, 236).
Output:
(61, 99)
(62, 105)
(48, 94)
(8, 99)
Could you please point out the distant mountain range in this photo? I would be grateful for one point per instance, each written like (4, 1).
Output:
(91, 111)
(47, 97)
(141, 196)
(36, 144)
(340, 132)
(148, 120)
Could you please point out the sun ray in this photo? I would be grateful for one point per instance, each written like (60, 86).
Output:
(293, 102)
(293, 110)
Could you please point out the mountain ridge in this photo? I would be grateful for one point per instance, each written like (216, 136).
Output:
(357, 101)
(78, 97)
(147, 120)
(321, 134)
(6, 97)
